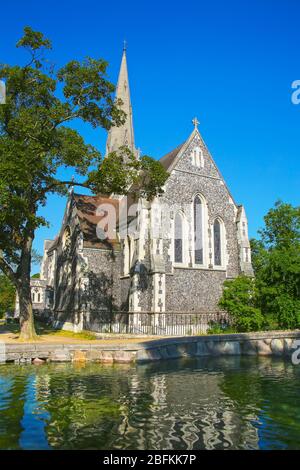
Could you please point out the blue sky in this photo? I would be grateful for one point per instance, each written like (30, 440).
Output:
(231, 63)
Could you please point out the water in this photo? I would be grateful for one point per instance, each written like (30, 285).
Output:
(220, 403)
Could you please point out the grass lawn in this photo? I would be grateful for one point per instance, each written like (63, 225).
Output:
(12, 329)
(10, 333)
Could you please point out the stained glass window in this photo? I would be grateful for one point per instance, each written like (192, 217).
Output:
(178, 255)
(198, 230)
(217, 243)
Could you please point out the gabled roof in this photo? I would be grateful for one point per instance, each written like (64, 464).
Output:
(86, 209)
(168, 159)
(86, 213)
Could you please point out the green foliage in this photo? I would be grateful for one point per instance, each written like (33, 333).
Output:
(288, 311)
(216, 328)
(240, 300)
(7, 295)
(282, 227)
(272, 300)
(36, 141)
(276, 261)
(35, 276)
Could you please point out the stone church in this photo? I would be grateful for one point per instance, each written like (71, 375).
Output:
(165, 258)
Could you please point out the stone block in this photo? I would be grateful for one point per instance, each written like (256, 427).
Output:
(191, 349)
(248, 348)
(173, 352)
(60, 355)
(124, 357)
(277, 346)
(232, 348)
(288, 346)
(38, 361)
(94, 355)
(184, 350)
(2, 352)
(201, 349)
(142, 356)
(164, 354)
(263, 349)
(154, 354)
(107, 357)
(211, 347)
(79, 356)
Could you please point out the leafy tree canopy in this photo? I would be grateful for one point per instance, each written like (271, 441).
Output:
(7, 295)
(275, 292)
(37, 140)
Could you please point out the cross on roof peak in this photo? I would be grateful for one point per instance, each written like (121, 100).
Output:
(195, 122)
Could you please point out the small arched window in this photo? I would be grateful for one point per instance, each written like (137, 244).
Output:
(178, 239)
(33, 297)
(39, 297)
(198, 231)
(217, 243)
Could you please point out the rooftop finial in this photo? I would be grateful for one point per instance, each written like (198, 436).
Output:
(124, 45)
(195, 122)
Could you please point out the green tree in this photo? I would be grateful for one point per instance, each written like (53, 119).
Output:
(272, 300)
(7, 295)
(36, 141)
(276, 261)
(241, 300)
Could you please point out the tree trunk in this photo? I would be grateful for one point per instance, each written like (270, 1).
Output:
(27, 329)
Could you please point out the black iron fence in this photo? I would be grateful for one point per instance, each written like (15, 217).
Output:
(170, 324)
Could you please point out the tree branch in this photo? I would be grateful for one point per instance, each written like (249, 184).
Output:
(7, 269)
(61, 183)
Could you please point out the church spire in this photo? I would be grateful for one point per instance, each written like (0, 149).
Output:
(123, 135)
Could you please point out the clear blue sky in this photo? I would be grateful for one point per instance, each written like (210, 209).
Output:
(230, 63)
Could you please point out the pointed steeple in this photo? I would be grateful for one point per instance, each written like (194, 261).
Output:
(123, 135)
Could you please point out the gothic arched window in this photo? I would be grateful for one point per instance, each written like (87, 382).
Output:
(178, 239)
(198, 231)
(217, 243)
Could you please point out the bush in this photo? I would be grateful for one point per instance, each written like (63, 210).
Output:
(240, 300)
(7, 296)
(220, 328)
(288, 311)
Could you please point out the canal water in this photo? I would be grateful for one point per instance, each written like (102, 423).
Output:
(208, 403)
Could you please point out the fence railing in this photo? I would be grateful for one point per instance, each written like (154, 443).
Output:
(170, 324)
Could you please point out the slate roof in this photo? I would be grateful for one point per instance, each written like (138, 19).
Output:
(169, 158)
(86, 212)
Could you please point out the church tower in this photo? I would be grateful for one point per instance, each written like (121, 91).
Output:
(122, 135)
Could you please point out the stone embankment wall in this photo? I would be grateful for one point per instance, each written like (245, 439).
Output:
(262, 344)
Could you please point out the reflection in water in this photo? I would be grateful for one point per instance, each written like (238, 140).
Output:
(205, 403)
